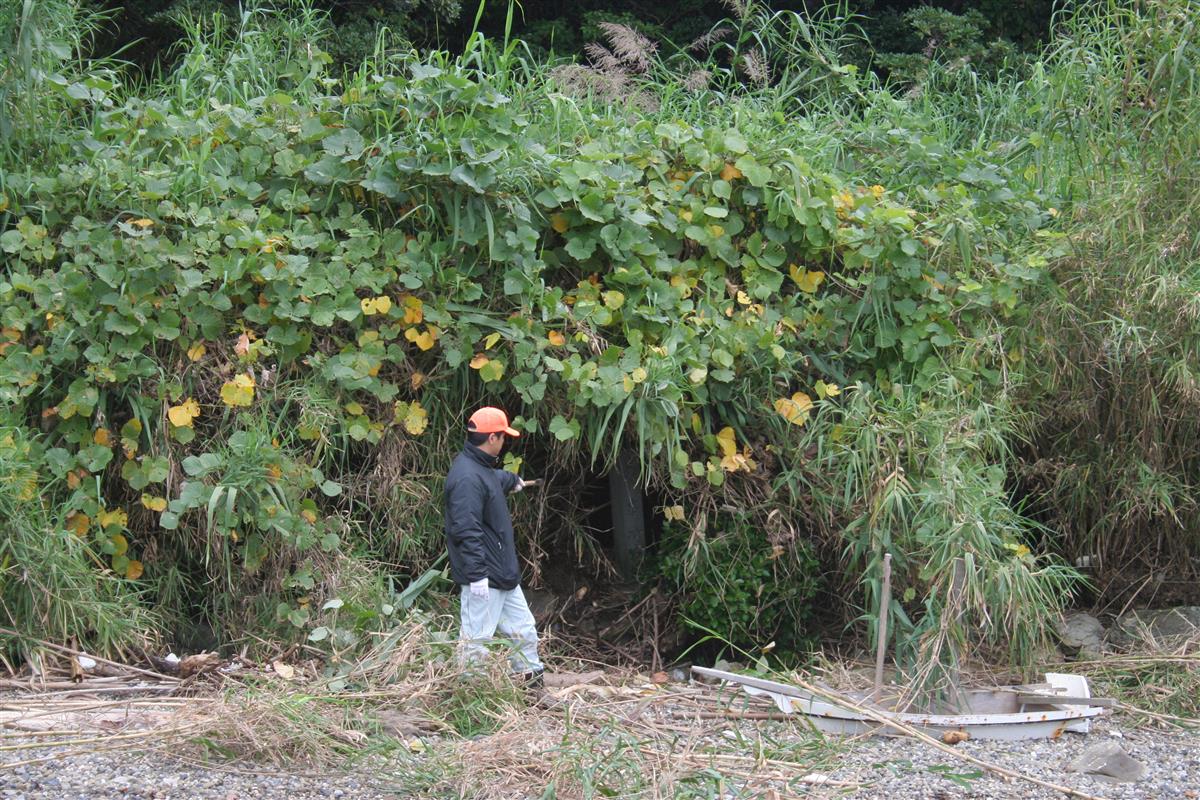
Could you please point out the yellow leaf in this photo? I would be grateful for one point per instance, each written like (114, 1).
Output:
(197, 351)
(479, 362)
(422, 340)
(727, 441)
(825, 390)
(102, 437)
(309, 515)
(878, 191)
(182, 415)
(806, 280)
(743, 298)
(416, 419)
(559, 222)
(239, 391)
(143, 223)
(375, 305)
(795, 408)
(686, 216)
(116, 517)
(638, 375)
(120, 543)
(414, 310)
(490, 341)
(555, 338)
(354, 408)
(134, 570)
(673, 513)
(78, 522)
(416, 379)
(614, 299)
(731, 463)
(730, 172)
(716, 231)
(154, 503)
(627, 383)
(3, 202)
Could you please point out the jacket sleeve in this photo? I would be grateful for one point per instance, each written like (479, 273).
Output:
(464, 526)
(508, 480)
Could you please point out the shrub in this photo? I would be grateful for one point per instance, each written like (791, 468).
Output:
(734, 582)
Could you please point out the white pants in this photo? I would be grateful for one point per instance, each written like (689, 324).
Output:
(503, 610)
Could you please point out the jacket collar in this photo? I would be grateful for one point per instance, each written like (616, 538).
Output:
(478, 455)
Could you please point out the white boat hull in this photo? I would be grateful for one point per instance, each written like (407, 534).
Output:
(1040, 721)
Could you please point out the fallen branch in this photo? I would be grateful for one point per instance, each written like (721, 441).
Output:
(731, 714)
(1184, 722)
(70, 651)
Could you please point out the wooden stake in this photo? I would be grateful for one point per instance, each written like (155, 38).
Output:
(885, 604)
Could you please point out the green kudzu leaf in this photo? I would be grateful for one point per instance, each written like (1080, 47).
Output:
(562, 429)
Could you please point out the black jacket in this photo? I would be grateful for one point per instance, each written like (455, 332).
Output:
(479, 531)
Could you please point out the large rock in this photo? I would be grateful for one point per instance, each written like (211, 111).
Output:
(1081, 634)
(1108, 759)
(1160, 625)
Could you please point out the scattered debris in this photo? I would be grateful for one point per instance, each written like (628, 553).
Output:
(954, 737)
(198, 664)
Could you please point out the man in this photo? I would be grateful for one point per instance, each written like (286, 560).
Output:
(483, 555)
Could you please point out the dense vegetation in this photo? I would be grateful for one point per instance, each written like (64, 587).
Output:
(246, 306)
(904, 37)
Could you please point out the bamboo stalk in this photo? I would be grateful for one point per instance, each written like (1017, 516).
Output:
(733, 714)
(885, 604)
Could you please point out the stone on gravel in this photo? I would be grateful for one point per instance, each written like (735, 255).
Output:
(1081, 634)
(1110, 759)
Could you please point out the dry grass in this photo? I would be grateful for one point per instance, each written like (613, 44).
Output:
(426, 730)
(1156, 680)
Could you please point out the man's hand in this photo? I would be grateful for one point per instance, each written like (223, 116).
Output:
(523, 484)
(479, 589)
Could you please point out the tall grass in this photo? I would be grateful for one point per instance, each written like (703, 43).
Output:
(1114, 397)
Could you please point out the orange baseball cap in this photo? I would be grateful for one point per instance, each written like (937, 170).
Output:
(491, 420)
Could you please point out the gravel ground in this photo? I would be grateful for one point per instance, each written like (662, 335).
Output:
(902, 768)
(883, 768)
(157, 776)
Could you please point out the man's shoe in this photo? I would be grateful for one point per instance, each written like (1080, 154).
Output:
(533, 679)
